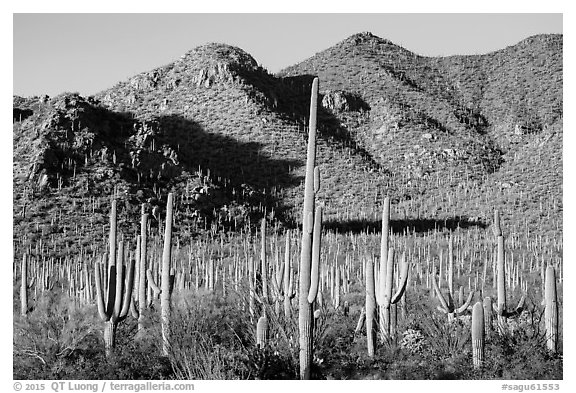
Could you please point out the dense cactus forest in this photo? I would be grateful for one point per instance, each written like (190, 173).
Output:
(368, 213)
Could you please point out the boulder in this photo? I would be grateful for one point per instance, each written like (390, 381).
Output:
(340, 101)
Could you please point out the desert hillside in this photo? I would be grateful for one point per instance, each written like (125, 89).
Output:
(450, 139)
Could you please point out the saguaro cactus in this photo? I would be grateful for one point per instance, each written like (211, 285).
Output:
(383, 257)
(167, 278)
(551, 311)
(288, 281)
(500, 307)
(24, 285)
(447, 305)
(278, 281)
(487, 315)
(252, 288)
(165, 284)
(361, 321)
(262, 331)
(477, 335)
(370, 307)
(337, 288)
(310, 252)
(387, 299)
(143, 268)
(384, 296)
(119, 289)
(263, 262)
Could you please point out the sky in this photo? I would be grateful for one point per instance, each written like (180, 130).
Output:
(90, 52)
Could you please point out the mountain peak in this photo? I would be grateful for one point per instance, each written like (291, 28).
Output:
(217, 53)
(365, 37)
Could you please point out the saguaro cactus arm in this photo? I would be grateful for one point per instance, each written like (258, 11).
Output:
(447, 307)
(100, 293)
(403, 280)
(443, 303)
(316, 239)
(157, 290)
(119, 281)
(127, 295)
(518, 310)
(466, 304)
(119, 289)
(316, 180)
(361, 320)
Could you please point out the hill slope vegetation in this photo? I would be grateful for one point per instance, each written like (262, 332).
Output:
(448, 138)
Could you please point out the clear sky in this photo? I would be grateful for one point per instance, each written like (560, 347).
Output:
(87, 53)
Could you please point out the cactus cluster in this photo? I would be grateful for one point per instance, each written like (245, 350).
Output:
(447, 304)
(118, 286)
(379, 290)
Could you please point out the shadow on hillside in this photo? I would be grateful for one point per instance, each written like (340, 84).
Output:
(289, 97)
(295, 104)
(19, 114)
(240, 170)
(162, 153)
(225, 157)
(402, 226)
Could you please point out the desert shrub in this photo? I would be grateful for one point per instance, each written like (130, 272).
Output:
(520, 352)
(214, 338)
(49, 336)
(61, 340)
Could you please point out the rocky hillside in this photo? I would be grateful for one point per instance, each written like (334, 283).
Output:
(444, 124)
(229, 138)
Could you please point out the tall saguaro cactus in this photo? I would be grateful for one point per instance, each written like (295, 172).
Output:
(383, 293)
(310, 252)
(165, 284)
(119, 289)
(384, 252)
(500, 307)
(551, 311)
(24, 285)
(263, 261)
(387, 297)
(142, 270)
(370, 307)
(167, 278)
(288, 281)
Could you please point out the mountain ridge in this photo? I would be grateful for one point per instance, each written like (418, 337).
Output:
(229, 137)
